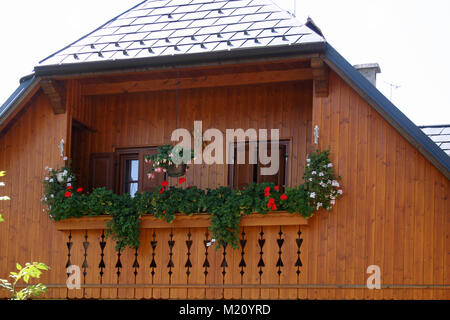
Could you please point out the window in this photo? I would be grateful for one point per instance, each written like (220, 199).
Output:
(131, 178)
(241, 175)
(124, 171)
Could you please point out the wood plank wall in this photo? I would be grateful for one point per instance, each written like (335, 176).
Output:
(394, 212)
(148, 119)
(28, 234)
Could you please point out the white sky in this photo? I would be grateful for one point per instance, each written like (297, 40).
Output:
(408, 38)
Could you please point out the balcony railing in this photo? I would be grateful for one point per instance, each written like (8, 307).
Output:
(176, 261)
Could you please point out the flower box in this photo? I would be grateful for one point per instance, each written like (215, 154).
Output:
(280, 218)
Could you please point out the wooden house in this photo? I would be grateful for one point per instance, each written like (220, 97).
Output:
(114, 95)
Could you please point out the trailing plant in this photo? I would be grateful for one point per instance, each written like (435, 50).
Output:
(31, 270)
(226, 206)
(166, 156)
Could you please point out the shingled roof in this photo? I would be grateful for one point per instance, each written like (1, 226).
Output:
(177, 27)
(440, 134)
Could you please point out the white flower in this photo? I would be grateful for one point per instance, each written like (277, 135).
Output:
(213, 240)
(323, 185)
(64, 173)
(320, 174)
(65, 158)
(312, 195)
(319, 204)
(330, 165)
(310, 179)
(308, 160)
(339, 191)
(52, 196)
(46, 167)
(313, 172)
(69, 184)
(51, 180)
(5, 198)
(69, 179)
(170, 155)
(2, 184)
(208, 244)
(46, 178)
(333, 202)
(334, 183)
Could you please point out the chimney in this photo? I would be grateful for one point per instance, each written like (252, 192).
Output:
(369, 70)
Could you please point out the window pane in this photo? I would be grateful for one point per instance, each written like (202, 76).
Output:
(132, 170)
(132, 188)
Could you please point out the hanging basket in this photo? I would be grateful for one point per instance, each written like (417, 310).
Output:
(176, 170)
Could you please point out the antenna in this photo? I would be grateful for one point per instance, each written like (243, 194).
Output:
(392, 86)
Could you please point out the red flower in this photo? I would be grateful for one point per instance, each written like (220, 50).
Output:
(164, 211)
(269, 205)
(277, 188)
(283, 197)
(67, 194)
(161, 190)
(69, 188)
(190, 187)
(181, 180)
(272, 200)
(79, 190)
(274, 207)
(165, 183)
(267, 191)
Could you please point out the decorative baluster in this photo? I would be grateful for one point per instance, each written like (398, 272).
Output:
(118, 264)
(85, 263)
(101, 265)
(170, 265)
(188, 264)
(69, 248)
(280, 242)
(153, 244)
(242, 263)
(135, 264)
(224, 263)
(261, 264)
(206, 264)
(298, 263)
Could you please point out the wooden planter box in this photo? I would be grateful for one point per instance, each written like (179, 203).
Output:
(279, 218)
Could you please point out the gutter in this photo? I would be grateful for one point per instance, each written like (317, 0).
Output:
(182, 60)
(388, 110)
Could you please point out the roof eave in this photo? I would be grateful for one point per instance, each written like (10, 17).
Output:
(182, 60)
(389, 111)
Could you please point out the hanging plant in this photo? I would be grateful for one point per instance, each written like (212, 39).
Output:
(170, 159)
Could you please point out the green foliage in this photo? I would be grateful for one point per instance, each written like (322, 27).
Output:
(225, 205)
(31, 270)
(124, 225)
(166, 156)
(320, 181)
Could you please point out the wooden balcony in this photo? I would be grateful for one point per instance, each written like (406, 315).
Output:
(174, 260)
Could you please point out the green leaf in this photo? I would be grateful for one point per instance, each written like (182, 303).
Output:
(18, 266)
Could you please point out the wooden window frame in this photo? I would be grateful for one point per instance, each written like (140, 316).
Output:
(284, 142)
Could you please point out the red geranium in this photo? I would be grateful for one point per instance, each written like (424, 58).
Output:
(274, 207)
(277, 188)
(267, 191)
(165, 183)
(79, 190)
(161, 190)
(69, 188)
(271, 200)
(283, 197)
(181, 180)
(67, 194)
